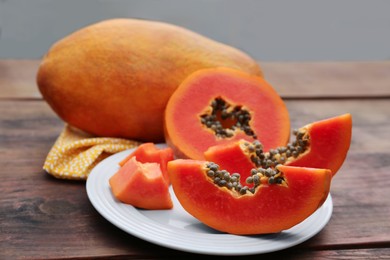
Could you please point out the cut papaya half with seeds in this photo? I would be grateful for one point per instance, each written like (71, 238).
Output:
(322, 144)
(221, 105)
(274, 204)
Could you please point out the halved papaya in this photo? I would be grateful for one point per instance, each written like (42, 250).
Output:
(141, 185)
(221, 105)
(269, 207)
(322, 144)
(148, 153)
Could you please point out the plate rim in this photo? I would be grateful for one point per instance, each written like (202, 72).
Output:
(103, 208)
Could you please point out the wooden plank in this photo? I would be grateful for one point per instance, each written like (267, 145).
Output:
(291, 80)
(361, 186)
(42, 217)
(329, 79)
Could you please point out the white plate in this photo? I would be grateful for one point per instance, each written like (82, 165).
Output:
(178, 230)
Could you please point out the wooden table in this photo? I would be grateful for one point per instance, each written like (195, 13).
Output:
(42, 217)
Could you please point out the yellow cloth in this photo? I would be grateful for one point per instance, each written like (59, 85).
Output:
(75, 153)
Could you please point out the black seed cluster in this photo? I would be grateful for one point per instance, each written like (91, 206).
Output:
(273, 175)
(266, 164)
(279, 155)
(222, 111)
(223, 178)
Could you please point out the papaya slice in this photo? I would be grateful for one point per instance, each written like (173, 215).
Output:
(141, 185)
(221, 105)
(148, 153)
(322, 144)
(329, 142)
(270, 207)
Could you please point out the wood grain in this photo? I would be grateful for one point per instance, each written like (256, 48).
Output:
(329, 79)
(45, 218)
(42, 217)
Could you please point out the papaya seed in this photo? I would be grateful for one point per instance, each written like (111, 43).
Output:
(249, 180)
(237, 175)
(234, 179)
(222, 183)
(214, 167)
(210, 173)
(226, 175)
(243, 190)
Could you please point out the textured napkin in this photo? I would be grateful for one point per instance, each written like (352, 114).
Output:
(75, 153)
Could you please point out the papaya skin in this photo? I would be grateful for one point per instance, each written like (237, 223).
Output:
(271, 209)
(114, 78)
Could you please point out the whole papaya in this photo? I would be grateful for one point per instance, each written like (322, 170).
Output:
(114, 78)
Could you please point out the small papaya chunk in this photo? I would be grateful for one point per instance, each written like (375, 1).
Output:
(274, 204)
(141, 185)
(149, 152)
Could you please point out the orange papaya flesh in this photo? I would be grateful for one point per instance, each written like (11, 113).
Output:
(330, 140)
(141, 185)
(271, 208)
(221, 105)
(322, 144)
(233, 157)
(148, 153)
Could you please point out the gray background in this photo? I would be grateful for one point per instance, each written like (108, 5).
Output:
(268, 30)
